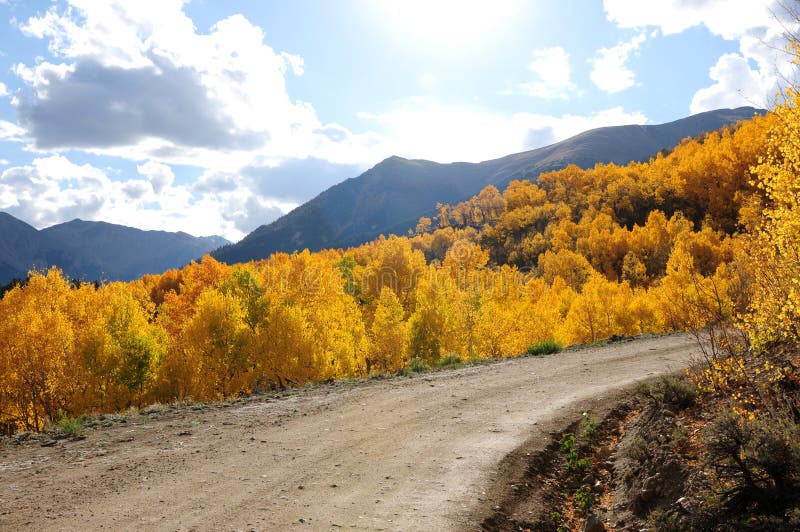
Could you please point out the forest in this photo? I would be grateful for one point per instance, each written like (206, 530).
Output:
(703, 236)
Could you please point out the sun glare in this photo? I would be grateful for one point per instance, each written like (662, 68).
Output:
(447, 21)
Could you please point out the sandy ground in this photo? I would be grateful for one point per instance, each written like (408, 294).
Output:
(398, 454)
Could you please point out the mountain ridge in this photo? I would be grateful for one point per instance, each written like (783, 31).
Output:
(95, 250)
(391, 196)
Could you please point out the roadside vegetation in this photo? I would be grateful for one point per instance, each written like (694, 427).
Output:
(719, 447)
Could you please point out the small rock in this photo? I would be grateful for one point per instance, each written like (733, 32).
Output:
(48, 443)
(683, 505)
(651, 483)
(22, 436)
(593, 524)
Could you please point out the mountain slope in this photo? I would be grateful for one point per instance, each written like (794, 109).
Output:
(393, 195)
(19, 245)
(95, 250)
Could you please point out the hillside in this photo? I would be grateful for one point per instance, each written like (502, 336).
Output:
(95, 250)
(393, 195)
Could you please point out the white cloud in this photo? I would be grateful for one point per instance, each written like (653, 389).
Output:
(735, 84)
(759, 26)
(541, 130)
(552, 70)
(137, 80)
(609, 70)
(159, 175)
(10, 131)
(422, 128)
(729, 19)
(53, 189)
(3, 89)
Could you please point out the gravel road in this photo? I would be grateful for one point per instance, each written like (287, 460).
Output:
(397, 454)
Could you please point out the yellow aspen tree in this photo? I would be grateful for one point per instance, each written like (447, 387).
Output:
(774, 247)
(571, 267)
(595, 313)
(388, 334)
(36, 345)
(121, 348)
(284, 346)
(429, 323)
(213, 340)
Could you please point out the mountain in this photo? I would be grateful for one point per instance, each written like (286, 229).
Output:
(18, 246)
(392, 196)
(95, 250)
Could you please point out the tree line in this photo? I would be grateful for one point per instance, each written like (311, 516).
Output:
(675, 243)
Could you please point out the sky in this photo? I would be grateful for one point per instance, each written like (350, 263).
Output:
(215, 117)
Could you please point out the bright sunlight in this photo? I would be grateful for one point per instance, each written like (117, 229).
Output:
(448, 21)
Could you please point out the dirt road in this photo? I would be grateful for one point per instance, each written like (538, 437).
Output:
(400, 454)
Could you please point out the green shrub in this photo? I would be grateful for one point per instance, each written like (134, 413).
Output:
(638, 450)
(589, 429)
(679, 437)
(570, 451)
(418, 364)
(449, 361)
(672, 391)
(71, 426)
(560, 521)
(584, 498)
(546, 347)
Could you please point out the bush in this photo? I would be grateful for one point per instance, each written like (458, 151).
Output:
(546, 347)
(584, 498)
(448, 361)
(570, 451)
(638, 450)
(757, 461)
(71, 427)
(418, 364)
(672, 391)
(589, 429)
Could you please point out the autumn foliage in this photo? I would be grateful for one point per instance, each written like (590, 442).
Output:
(579, 256)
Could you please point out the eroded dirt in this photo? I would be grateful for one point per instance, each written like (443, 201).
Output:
(415, 453)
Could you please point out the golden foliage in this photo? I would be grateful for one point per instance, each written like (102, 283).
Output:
(580, 256)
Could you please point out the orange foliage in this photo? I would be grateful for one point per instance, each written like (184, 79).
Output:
(579, 256)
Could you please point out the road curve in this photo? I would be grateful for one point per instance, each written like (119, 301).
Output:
(398, 454)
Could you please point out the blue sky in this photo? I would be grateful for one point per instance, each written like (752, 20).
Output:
(214, 117)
